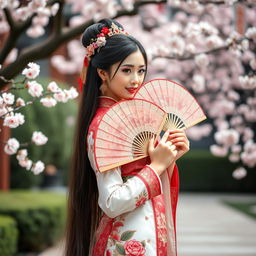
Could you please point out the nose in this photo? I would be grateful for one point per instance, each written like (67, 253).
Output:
(135, 80)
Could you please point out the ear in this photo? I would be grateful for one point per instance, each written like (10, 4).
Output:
(102, 74)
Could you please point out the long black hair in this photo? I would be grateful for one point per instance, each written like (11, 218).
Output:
(83, 210)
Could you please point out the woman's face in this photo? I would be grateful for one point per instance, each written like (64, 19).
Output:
(127, 78)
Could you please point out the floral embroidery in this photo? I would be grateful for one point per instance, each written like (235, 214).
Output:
(134, 248)
(123, 243)
(141, 199)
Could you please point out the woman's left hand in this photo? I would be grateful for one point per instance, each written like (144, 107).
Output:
(180, 140)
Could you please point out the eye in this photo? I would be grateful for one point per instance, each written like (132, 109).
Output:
(126, 70)
(142, 71)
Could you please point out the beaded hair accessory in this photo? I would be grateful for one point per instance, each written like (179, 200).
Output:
(96, 44)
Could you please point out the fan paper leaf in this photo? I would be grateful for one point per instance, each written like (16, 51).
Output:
(124, 132)
(182, 108)
(127, 235)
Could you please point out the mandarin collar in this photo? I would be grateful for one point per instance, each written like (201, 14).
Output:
(106, 102)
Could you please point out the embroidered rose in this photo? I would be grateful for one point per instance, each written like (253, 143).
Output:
(141, 201)
(134, 248)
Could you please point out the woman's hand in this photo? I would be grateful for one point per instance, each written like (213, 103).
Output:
(163, 154)
(179, 139)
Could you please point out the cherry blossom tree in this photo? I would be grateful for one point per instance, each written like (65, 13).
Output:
(9, 107)
(193, 42)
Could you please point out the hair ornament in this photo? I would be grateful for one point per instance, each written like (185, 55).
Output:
(96, 44)
(100, 40)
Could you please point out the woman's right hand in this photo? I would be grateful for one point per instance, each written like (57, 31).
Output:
(163, 154)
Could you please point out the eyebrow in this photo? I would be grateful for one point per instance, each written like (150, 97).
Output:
(130, 65)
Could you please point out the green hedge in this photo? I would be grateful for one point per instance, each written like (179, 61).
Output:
(201, 171)
(8, 236)
(40, 217)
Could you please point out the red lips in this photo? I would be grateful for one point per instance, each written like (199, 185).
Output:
(131, 90)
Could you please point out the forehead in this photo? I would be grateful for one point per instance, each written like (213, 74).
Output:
(135, 58)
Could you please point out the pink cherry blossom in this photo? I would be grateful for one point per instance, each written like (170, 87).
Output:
(61, 96)
(236, 149)
(248, 134)
(11, 146)
(198, 84)
(4, 27)
(12, 56)
(32, 71)
(53, 87)
(177, 45)
(249, 158)
(38, 167)
(22, 13)
(247, 82)
(55, 8)
(35, 4)
(251, 33)
(40, 20)
(218, 150)
(35, 89)
(227, 137)
(202, 60)
(8, 98)
(239, 173)
(20, 102)
(41, 11)
(22, 154)
(39, 138)
(25, 163)
(199, 131)
(14, 120)
(48, 102)
(234, 158)
(71, 93)
(35, 31)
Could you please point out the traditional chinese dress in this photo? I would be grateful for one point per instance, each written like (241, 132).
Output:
(138, 205)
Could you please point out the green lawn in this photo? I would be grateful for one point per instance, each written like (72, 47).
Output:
(248, 208)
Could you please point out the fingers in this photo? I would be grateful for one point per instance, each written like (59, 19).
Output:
(151, 145)
(177, 136)
(165, 136)
(170, 146)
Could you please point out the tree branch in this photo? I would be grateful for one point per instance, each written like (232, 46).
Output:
(16, 30)
(58, 19)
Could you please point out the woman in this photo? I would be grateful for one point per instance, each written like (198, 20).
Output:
(129, 210)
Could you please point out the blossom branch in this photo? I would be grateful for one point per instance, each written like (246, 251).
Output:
(193, 55)
(27, 103)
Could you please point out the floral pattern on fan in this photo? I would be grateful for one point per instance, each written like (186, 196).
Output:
(182, 108)
(124, 132)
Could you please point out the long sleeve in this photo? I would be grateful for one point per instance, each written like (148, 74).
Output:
(117, 197)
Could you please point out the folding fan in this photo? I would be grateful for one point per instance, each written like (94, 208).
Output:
(124, 132)
(182, 108)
